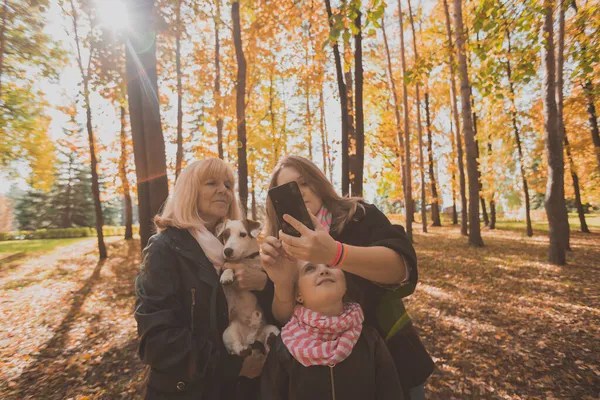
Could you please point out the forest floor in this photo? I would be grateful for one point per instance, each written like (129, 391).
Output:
(499, 321)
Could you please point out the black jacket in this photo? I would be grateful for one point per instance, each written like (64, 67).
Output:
(367, 374)
(372, 228)
(181, 312)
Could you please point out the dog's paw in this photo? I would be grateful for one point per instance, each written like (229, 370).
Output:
(271, 339)
(227, 277)
(245, 352)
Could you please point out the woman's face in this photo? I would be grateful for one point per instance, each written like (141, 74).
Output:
(320, 286)
(216, 196)
(311, 199)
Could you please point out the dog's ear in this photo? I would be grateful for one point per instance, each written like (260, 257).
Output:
(220, 228)
(254, 228)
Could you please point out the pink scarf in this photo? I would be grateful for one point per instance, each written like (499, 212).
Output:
(325, 217)
(316, 339)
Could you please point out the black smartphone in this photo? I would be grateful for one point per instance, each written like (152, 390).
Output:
(287, 199)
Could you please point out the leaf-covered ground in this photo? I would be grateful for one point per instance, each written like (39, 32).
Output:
(500, 321)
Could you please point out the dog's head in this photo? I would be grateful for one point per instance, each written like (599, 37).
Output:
(238, 238)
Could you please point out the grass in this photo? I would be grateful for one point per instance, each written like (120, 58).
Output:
(35, 246)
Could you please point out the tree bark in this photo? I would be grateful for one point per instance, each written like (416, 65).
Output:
(559, 96)
(307, 93)
(240, 105)
(575, 178)
(322, 129)
(359, 137)
(407, 173)
(459, 148)
(144, 115)
(124, 180)
(343, 105)
(472, 162)
(399, 135)
(486, 221)
(218, 80)
(179, 156)
(85, 76)
(435, 207)
(554, 201)
(513, 113)
(453, 180)
(3, 41)
(419, 128)
(492, 202)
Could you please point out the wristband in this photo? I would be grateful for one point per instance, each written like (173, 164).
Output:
(339, 256)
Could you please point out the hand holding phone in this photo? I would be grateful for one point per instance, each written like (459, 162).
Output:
(287, 199)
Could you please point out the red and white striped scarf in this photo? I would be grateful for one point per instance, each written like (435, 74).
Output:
(316, 339)
(325, 217)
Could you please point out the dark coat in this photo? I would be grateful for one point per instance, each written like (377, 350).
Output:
(367, 374)
(372, 228)
(181, 312)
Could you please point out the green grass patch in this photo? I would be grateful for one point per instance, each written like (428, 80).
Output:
(35, 246)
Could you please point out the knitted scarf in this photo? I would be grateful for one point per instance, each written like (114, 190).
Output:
(325, 217)
(316, 339)
(212, 247)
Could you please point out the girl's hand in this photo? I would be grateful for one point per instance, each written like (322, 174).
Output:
(317, 247)
(280, 268)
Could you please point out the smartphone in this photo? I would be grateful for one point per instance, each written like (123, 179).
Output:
(287, 199)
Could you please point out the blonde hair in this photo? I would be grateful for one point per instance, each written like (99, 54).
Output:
(181, 209)
(341, 208)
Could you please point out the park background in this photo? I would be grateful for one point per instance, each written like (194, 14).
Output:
(472, 123)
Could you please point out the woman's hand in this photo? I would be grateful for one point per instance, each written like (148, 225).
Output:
(277, 264)
(317, 247)
(248, 278)
(253, 364)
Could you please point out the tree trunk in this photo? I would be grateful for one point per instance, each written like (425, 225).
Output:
(359, 144)
(218, 80)
(435, 207)
(144, 115)
(419, 128)
(580, 211)
(307, 93)
(85, 75)
(453, 181)
(513, 113)
(124, 180)
(240, 105)
(253, 200)
(554, 201)
(399, 137)
(351, 112)
(343, 104)
(559, 97)
(324, 142)
(472, 162)
(486, 221)
(3, 41)
(492, 202)
(459, 148)
(407, 173)
(179, 157)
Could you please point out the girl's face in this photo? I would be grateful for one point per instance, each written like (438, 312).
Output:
(319, 286)
(215, 198)
(311, 199)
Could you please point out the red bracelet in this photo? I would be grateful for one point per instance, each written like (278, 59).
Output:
(338, 255)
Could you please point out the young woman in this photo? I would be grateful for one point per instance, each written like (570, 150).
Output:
(324, 352)
(378, 259)
(181, 310)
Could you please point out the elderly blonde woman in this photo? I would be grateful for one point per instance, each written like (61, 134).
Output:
(181, 310)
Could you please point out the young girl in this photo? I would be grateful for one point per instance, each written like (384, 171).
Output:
(324, 352)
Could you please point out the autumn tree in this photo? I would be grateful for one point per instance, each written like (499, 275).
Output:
(555, 196)
(144, 115)
(87, 43)
(465, 95)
